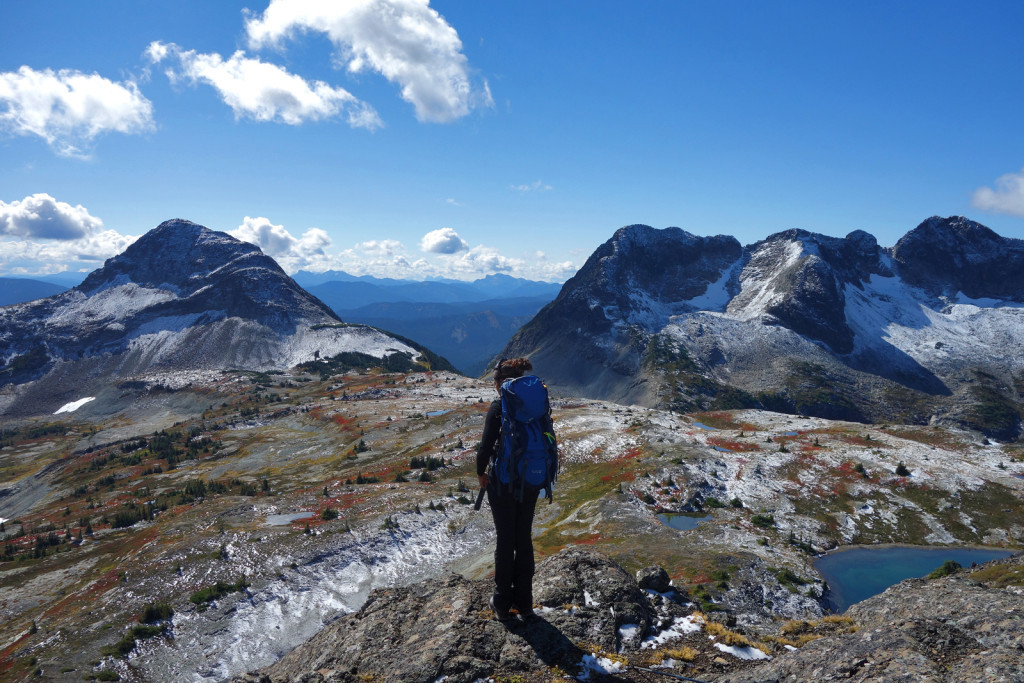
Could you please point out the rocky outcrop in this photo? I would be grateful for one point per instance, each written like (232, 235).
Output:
(963, 628)
(444, 630)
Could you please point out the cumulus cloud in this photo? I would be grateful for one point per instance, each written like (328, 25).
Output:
(264, 91)
(535, 186)
(39, 234)
(382, 248)
(388, 258)
(405, 41)
(69, 109)
(292, 253)
(1007, 197)
(443, 241)
(40, 216)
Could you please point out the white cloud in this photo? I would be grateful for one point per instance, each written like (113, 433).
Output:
(264, 91)
(48, 236)
(535, 186)
(382, 248)
(1007, 197)
(40, 216)
(481, 259)
(69, 109)
(443, 241)
(452, 202)
(292, 253)
(405, 41)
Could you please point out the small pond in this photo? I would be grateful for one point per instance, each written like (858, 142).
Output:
(701, 425)
(857, 574)
(281, 520)
(681, 521)
(435, 413)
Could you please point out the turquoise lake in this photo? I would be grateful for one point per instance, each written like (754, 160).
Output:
(856, 574)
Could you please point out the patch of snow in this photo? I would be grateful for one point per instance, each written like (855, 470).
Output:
(716, 297)
(74, 405)
(748, 652)
(592, 663)
(589, 601)
(679, 627)
(627, 634)
(757, 291)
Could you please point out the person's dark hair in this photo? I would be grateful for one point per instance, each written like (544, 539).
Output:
(510, 368)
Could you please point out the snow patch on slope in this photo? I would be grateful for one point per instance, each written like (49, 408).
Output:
(757, 293)
(889, 312)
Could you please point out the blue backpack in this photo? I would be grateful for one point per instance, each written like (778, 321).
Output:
(527, 458)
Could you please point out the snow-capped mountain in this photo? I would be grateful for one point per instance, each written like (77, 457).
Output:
(837, 327)
(181, 297)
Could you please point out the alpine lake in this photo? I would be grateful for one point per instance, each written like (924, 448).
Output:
(856, 574)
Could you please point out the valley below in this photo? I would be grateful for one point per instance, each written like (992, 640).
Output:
(197, 526)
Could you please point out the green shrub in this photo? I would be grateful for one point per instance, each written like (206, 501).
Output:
(948, 567)
(218, 590)
(156, 611)
(121, 648)
(712, 502)
(329, 514)
(787, 576)
(142, 631)
(764, 521)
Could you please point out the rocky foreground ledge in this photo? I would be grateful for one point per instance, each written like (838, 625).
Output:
(598, 623)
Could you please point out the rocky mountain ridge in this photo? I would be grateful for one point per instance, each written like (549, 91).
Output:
(182, 297)
(798, 322)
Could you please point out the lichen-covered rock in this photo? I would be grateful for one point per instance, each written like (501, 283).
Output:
(655, 579)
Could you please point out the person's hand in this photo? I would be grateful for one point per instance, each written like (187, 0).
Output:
(482, 480)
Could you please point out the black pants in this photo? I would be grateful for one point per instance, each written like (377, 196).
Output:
(513, 556)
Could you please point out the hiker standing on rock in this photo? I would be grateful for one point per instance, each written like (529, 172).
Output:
(518, 443)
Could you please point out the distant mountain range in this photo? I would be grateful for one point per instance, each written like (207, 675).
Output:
(468, 334)
(182, 297)
(928, 330)
(349, 292)
(15, 290)
(466, 322)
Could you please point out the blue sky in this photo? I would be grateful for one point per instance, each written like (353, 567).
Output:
(456, 139)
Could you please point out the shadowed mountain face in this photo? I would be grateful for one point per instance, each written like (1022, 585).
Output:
(949, 255)
(800, 322)
(182, 297)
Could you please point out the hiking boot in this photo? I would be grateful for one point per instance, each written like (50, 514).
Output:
(501, 614)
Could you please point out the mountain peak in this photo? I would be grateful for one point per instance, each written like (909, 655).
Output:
(176, 253)
(956, 254)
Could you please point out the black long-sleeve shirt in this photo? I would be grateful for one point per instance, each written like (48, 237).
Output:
(489, 439)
